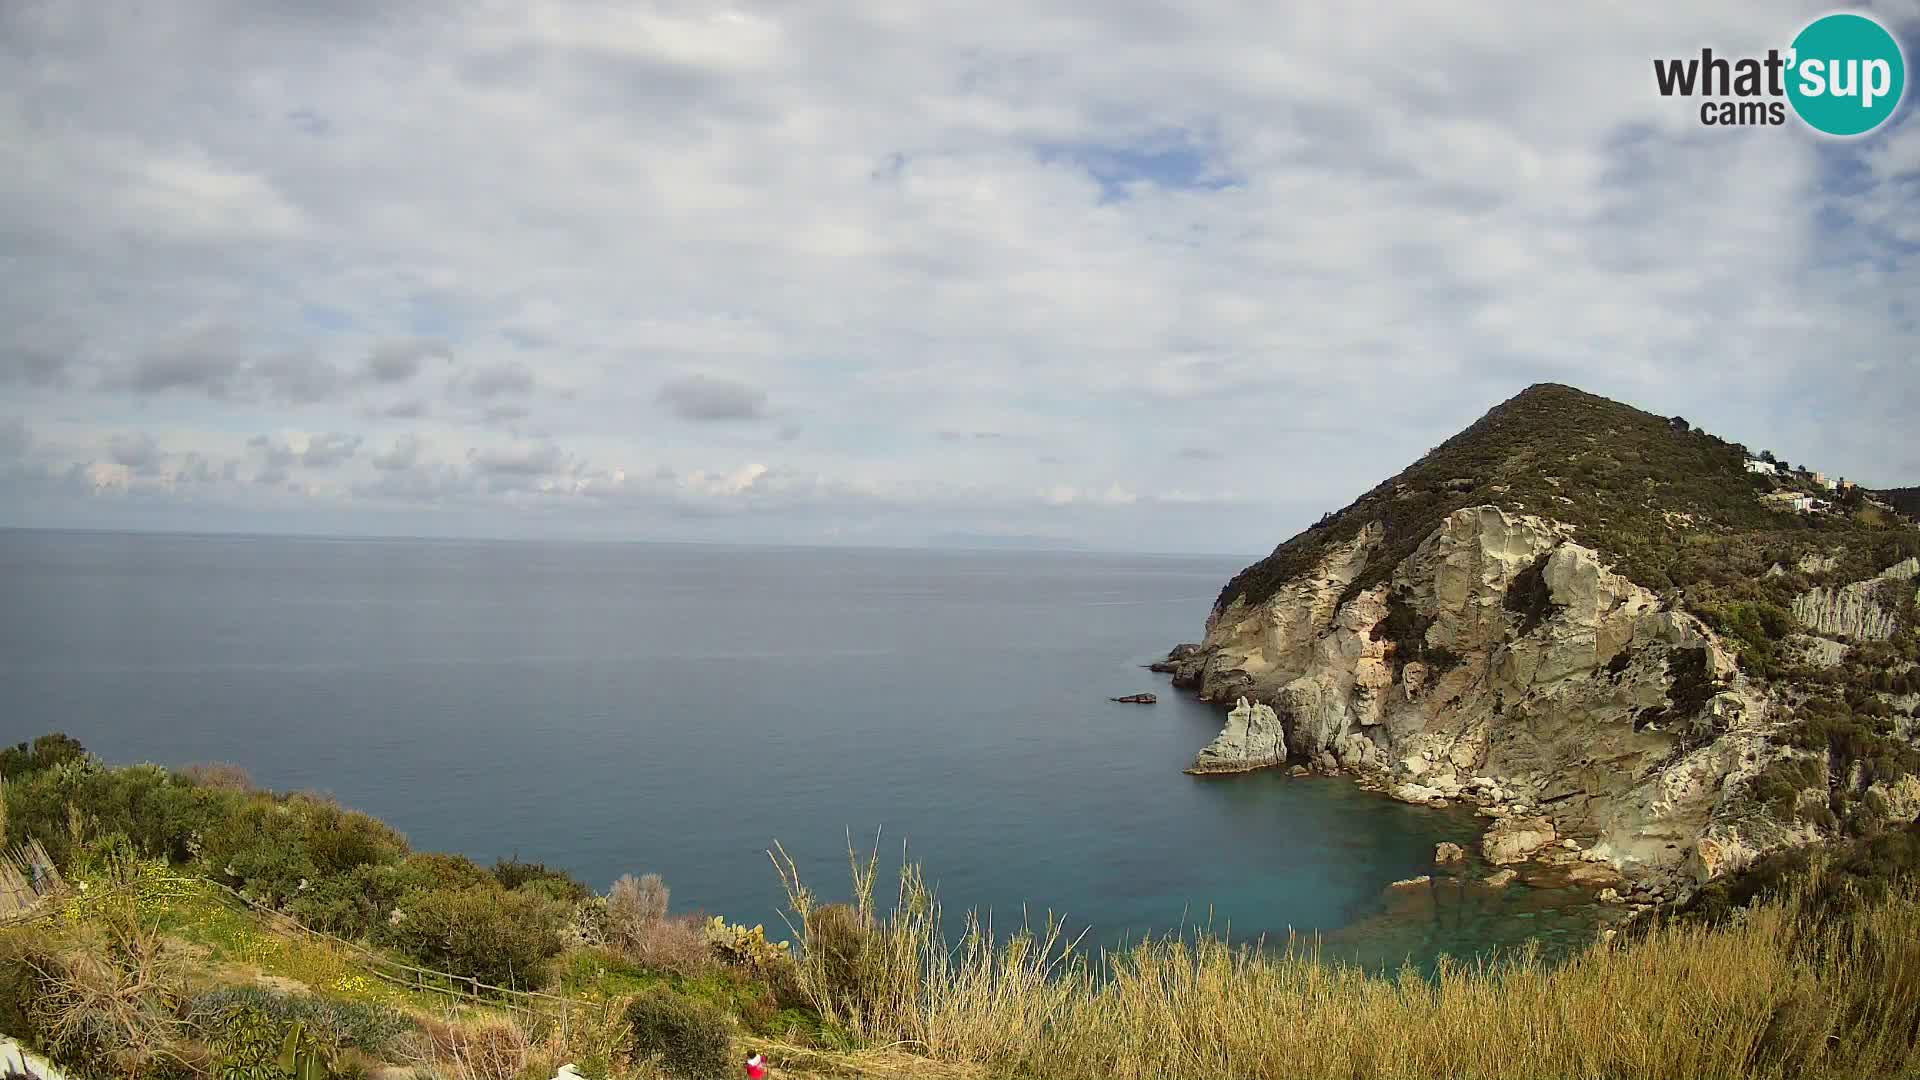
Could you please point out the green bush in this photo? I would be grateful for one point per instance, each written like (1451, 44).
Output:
(160, 815)
(434, 870)
(1780, 784)
(558, 884)
(1856, 873)
(689, 1039)
(42, 753)
(267, 847)
(481, 931)
(376, 1029)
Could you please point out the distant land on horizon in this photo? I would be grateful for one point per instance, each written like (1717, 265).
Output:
(947, 541)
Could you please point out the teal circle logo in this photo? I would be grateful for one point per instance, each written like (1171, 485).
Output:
(1845, 74)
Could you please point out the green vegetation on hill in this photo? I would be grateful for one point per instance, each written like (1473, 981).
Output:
(154, 972)
(145, 972)
(1670, 506)
(1906, 500)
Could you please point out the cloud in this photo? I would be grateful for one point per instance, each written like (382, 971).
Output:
(510, 379)
(15, 438)
(409, 409)
(399, 361)
(32, 363)
(206, 359)
(710, 397)
(1213, 255)
(298, 379)
(402, 455)
(505, 414)
(326, 451)
(138, 452)
(277, 454)
(312, 451)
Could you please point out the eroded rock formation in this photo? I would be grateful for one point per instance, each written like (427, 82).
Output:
(1502, 663)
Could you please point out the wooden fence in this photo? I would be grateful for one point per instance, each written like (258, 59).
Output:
(408, 976)
(27, 879)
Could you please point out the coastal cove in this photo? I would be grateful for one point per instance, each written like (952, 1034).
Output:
(616, 708)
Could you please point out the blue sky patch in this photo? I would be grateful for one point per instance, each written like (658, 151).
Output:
(1174, 161)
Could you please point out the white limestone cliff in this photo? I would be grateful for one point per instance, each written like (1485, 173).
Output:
(1602, 713)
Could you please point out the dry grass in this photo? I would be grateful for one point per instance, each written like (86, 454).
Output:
(1780, 994)
(110, 990)
(218, 775)
(497, 1050)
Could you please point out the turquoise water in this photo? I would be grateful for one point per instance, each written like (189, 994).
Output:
(625, 708)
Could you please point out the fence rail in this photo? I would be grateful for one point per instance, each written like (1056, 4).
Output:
(405, 975)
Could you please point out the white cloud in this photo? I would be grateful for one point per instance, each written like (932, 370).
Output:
(1201, 276)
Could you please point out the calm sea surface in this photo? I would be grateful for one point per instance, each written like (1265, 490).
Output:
(616, 708)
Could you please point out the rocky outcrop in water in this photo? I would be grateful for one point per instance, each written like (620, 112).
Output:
(1253, 738)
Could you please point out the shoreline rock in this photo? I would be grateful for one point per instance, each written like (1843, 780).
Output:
(1502, 666)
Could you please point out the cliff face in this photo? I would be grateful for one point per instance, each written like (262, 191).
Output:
(1864, 610)
(1516, 620)
(1502, 652)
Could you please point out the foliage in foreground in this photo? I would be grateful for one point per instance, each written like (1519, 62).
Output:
(1785, 990)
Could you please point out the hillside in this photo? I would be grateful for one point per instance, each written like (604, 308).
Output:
(1668, 505)
(1906, 500)
(1598, 619)
(151, 966)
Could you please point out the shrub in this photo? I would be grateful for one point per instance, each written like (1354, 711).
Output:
(158, 814)
(245, 1044)
(108, 997)
(219, 775)
(486, 1051)
(347, 905)
(376, 1029)
(42, 753)
(677, 944)
(836, 940)
(558, 884)
(1780, 784)
(22, 955)
(481, 932)
(340, 840)
(688, 1039)
(639, 926)
(432, 870)
(634, 903)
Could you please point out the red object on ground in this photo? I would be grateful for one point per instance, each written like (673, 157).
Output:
(756, 1067)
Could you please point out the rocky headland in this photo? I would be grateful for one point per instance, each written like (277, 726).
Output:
(1587, 622)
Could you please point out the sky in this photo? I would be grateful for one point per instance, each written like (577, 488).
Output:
(1097, 273)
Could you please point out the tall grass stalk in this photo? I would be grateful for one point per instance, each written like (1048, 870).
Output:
(1782, 992)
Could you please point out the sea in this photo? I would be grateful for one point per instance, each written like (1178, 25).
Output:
(617, 708)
